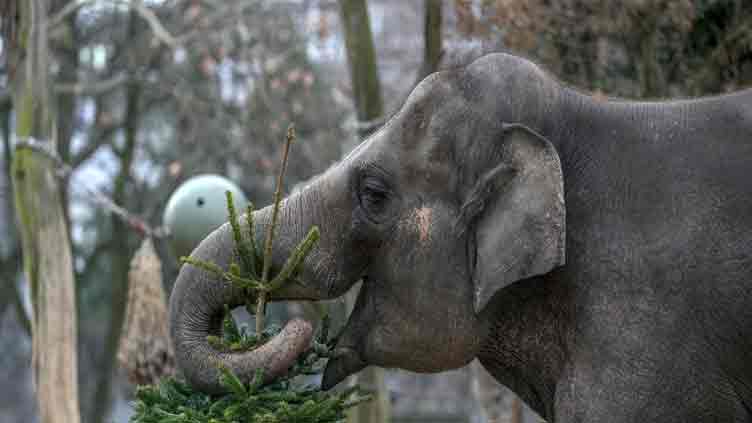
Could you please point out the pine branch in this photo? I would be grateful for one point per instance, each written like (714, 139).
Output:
(246, 278)
(205, 265)
(293, 265)
(281, 400)
(242, 247)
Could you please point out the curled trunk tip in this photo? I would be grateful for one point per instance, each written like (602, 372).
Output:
(200, 364)
(196, 310)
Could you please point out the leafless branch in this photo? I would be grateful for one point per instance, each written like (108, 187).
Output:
(103, 201)
(214, 20)
(160, 32)
(99, 139)
(91, 88)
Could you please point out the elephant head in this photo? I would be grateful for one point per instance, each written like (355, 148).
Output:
(436, 212)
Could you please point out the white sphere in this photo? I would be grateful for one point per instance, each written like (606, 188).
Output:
(196, 208)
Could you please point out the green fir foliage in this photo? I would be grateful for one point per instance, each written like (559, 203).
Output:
(173, 401)
(286, 399)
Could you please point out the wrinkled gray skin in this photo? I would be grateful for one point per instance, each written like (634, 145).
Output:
(454, 215)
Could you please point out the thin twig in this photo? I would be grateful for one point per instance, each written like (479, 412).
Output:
(261, 302)
(277, 200)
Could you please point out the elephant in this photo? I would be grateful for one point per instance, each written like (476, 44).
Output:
(594, 254)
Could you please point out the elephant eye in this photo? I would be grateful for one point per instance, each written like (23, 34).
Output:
(374, 195)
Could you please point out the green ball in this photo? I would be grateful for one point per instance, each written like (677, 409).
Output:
(196, 208)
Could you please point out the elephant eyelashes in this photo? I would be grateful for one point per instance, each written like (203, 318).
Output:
(373, 196)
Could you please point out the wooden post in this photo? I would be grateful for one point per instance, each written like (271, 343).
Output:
(46, 247)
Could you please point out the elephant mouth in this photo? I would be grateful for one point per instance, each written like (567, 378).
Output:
(295, 290)
(343, 363)
(348, 357)
(345, 358)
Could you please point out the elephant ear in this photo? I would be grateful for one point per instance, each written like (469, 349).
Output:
(517, 213)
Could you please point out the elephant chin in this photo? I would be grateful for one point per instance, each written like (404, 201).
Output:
(345, 362)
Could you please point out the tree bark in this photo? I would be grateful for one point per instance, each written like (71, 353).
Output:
(67, 59)
(9, 262)
(432, 43)
(369, 108)
(649, 70)
(121, 235)
(46, 247)
(361, 58)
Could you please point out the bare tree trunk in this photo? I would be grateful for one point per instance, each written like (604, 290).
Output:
(431, 38)
(361, 57)
(369, 107)
(121, 234)
(9, 260)
(649, 71)
(46, 247)
(67, 61)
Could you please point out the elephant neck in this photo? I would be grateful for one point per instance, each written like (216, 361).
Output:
(525, 342)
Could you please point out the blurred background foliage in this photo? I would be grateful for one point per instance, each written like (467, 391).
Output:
(138, 116)
(634, 48)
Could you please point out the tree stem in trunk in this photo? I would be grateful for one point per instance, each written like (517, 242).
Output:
(46, 248)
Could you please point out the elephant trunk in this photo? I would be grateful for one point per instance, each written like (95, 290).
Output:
(196, 311)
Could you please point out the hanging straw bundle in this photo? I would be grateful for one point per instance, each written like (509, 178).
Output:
(145, 351)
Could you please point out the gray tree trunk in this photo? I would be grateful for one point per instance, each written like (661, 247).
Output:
(361, 57)
(120, 233)
(432, 39)
(46, 247)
